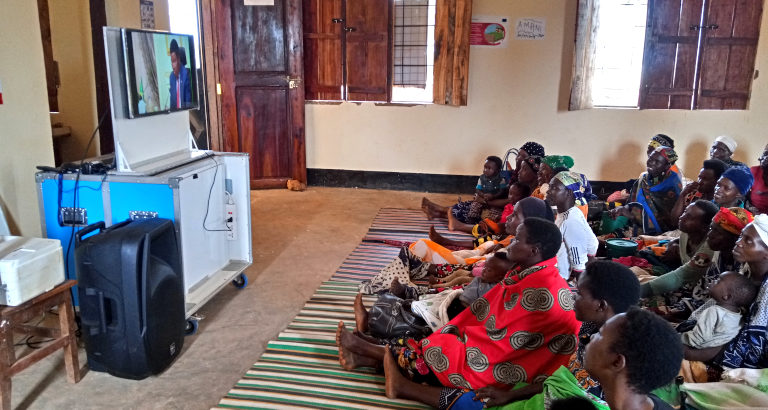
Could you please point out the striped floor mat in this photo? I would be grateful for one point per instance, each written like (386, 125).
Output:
(301, 368)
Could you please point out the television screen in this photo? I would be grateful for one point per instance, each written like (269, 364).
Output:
(160, 72)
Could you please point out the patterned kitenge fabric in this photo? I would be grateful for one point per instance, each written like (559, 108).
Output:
(522, 330)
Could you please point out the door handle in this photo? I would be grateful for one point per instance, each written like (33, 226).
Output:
(349, 29)
(337, 21)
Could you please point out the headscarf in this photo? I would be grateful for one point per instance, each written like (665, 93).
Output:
(533, 149)
(668, 153)
(728, 142)
(660, 140)
(761, 226)
(733, 219)
(558, 161)
(576, 183)
(741, 177)
(536, 208)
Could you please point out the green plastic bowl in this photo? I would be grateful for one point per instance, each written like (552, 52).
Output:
(617, 247)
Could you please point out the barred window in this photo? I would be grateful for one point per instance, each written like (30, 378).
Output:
(414, 39)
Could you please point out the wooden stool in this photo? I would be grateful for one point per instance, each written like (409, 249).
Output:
(12, 318)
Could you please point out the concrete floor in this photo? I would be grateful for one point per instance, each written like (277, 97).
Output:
(299, 240)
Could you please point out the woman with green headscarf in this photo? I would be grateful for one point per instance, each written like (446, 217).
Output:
(550, 165)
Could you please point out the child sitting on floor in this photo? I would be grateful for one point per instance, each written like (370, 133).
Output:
(491, 185)
(437, 311)
(717, 322)
(488, 226)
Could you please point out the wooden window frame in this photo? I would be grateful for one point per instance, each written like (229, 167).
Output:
(451, 66)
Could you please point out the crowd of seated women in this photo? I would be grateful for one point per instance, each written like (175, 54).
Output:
(530, 313)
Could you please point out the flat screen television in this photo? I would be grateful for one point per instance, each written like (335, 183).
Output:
(160, 72)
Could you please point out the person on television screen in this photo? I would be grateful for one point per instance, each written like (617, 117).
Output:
(180, 89)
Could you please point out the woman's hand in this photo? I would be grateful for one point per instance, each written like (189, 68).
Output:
(690, 188)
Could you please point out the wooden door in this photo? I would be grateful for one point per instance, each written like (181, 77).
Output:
(262, 97)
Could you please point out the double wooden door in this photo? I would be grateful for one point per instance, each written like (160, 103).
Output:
(262, 95)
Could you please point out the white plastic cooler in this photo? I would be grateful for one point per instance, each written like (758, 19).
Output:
(28, 267)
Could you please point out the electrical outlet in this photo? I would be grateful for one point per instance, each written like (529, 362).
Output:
(229, 221)
(73, 216)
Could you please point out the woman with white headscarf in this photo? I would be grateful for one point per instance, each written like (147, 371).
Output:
(722, 148)
(749, 349)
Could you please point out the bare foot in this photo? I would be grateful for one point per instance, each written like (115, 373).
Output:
(425, 208)
(397, 288)
(435, 236)
(451, 222)
(348, 359)
(432, 279)
(361, 314)
(392, 376)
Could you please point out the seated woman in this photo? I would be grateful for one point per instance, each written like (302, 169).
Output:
(702, 188)
(566, 192)
(528, 149)
(532, 305)
(656, 193)
(551, 165)
(693, 226)
(732, 187)
(749, 349)
(723, 148)
(692, 279)
(605, 289)
(424, 257)
(632, 354)
(528, 175)
(758, 195)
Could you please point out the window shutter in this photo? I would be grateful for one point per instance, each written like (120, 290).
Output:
(728, 54)
(323, 48)
(369, 56)
(669, 60)
(451, 75)
(51, 67)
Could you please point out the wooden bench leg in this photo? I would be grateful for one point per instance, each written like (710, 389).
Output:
(67, 326)
(7, 357)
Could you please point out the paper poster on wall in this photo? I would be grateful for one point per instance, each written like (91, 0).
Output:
(259, 2)
(489, 31)
(147, 14)
(530, 29)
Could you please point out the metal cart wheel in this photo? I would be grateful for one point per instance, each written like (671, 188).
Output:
(191, 327)
(240, 281)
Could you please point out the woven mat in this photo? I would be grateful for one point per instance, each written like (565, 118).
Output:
(301, 368)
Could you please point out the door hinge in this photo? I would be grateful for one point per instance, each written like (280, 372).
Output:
(218, 88)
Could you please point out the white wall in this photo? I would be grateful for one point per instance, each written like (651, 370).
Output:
(25, 129)
(517, 94)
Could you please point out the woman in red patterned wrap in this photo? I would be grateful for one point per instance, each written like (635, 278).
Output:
(522, 330)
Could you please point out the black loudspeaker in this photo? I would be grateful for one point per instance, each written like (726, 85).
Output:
(131, 296)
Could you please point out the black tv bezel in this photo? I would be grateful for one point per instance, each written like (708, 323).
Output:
(130, 74)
